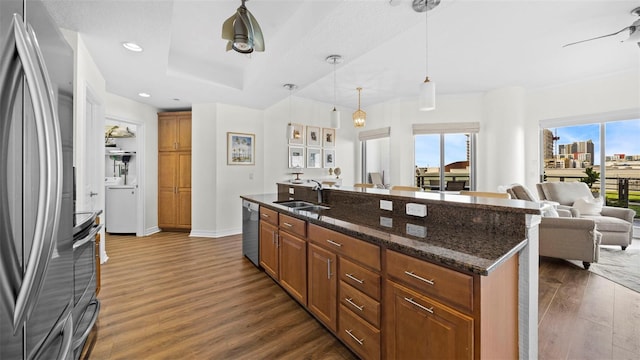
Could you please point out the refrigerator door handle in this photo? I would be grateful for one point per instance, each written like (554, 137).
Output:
(50, 182)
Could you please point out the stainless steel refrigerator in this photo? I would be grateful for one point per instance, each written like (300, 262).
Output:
(36, 185)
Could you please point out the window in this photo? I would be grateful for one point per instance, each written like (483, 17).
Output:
(375, 156)
(568, 150)
(445, 156)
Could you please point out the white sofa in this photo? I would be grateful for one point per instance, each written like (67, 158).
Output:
(560, 234)
(615, 224)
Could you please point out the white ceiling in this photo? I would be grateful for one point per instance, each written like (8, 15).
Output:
(474, 46)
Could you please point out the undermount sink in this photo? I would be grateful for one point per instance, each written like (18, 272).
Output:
(295, 204)
(313, 208)
(302, 205)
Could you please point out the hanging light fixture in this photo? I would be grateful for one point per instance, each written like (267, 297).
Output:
(243, 32)
(427, 99)
(291, 131)
(335, 114)
(359, 117)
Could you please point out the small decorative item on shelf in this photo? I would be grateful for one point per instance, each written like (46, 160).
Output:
(297, 172)
(337, 171)
(330, 171)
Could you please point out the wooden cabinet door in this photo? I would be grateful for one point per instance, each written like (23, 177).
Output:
(183, 136)
(167, 133)
(420, 328)
(293, 266)
(323, 286)
(174, 131)
(183, 211)
(269, 249)
(167, 189)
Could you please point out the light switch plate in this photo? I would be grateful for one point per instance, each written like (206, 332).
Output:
(292, 190)
(416, 230)
(416, 209)
(386, 222)
(386, 205)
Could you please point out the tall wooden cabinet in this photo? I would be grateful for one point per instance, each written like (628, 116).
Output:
(174, 170)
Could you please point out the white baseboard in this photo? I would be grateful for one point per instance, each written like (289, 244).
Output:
(151, 231)
(214, 234)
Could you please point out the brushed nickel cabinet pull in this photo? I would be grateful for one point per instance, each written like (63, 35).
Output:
(350, 301)
(334, 243)
(266, 216)
(360, 341)
(354, 278)
(328, 269)
(413, 275)
(287, 224)
(277, 239)
(410, 300)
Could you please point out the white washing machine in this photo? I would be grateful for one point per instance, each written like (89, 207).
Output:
(121, 212)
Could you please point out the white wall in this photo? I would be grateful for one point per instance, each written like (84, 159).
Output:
(121, 108)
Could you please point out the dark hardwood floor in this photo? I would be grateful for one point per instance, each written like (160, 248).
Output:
(171, 296)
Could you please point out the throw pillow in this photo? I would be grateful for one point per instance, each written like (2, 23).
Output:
(588, 206)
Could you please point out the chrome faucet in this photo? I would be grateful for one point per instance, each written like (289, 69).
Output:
(317, 187)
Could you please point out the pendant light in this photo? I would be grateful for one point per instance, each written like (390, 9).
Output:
(335, 114)
(427, 99)
(291, 132)
(359, 117)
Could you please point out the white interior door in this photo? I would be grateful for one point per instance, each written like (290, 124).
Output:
(94, 159)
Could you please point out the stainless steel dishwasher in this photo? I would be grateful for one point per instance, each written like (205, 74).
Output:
(251, 231)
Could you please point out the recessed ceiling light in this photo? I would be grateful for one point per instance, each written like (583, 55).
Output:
(144, 95)
(131, 46)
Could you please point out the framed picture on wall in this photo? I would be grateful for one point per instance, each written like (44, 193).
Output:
(241, 149)
(314, 158)
(328, 137)
(314, 136)
(329, 158)
(296, 134)
(296, 157)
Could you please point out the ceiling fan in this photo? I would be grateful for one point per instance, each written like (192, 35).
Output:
(633, 31)
(243, 32)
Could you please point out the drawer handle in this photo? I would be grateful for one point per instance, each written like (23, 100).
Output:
(354, 278)
(287, 224)
(410, 300)
(334, 243)
(350, 301)
(360, 341)
(410, 273)
(265, 215)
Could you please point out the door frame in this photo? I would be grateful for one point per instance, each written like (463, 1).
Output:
(140, 165)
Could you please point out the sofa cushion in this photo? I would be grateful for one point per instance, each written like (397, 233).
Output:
(565, 193)
(609, 224)
(520, 192)
(588, 206)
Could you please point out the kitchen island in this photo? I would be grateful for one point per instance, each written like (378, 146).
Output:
(449, 279)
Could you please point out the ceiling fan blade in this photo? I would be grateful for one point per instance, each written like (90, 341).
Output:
(258, 39)
(599, 37)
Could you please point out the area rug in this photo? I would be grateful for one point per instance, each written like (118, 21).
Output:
(622, 267)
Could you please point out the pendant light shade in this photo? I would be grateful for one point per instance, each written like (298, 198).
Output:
(291, 130)
(335, 118)
(427, 100)
(335, 114)
(243, 32)
(359, 117)
(427, 97)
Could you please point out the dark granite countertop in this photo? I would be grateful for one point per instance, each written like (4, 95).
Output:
(471, 249)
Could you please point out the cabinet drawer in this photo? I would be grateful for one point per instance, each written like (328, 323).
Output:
(361, 337)
(449, 286)
(360, 304)
(362, 251)
(268, 215)
(360, 278)
(293, 225)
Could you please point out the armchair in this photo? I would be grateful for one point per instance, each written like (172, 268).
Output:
(561, 235)
(615, 224)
